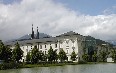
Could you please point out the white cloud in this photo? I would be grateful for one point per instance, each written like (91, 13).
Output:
(110, 10)
(53, 19)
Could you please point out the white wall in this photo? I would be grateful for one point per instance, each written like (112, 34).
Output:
(67, 43)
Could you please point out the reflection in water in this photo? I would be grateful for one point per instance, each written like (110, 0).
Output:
(85, 68)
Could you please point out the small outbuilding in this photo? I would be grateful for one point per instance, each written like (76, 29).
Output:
(110, 60)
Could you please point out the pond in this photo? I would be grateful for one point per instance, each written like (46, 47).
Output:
(83, 68)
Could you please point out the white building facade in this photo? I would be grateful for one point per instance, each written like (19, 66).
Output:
(69, 42)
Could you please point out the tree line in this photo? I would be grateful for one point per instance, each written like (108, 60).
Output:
(101, 55)
(34, 56)
(10, 55)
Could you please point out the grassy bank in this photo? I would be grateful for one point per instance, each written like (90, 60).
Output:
(24, 65)
(47, 65)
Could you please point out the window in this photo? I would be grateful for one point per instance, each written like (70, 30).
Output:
(55, 45)
(26, 50)
(73, 48)
(45, 46)
(67, 41)
(40, 46)
(67, 48)
(45, 52)
(67, 51)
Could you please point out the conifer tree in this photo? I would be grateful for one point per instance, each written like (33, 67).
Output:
(73, 56)
(17, 53)
(62, 55)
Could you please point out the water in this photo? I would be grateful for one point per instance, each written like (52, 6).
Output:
(86, 68)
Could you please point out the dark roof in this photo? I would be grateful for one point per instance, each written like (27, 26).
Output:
(43, 40)
(28, 36)
(70, 33)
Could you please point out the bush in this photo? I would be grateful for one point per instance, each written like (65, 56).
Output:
(9, 66)
(82, 62)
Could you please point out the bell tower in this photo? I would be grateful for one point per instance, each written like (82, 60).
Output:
(37, 35)
(32, 35)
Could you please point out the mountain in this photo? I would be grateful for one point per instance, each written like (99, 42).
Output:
(28, 36)
(112, 42)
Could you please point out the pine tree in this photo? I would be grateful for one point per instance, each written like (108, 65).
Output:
(5, 53)
(73, 56)
(17, 53)
(50, 54)
(62, 55)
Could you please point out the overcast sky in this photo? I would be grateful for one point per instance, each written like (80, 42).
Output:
(87, 17)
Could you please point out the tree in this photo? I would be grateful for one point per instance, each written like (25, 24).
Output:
(62, 55)
(73, 56)
(55, 55)
(40, 56)
(94, 56)
(50, 54)
(34, 55)
(45, 57)
(85, 57)
(103, 55)
(17, 53)
(8, 54)
(5, 52)
(28, 57)
(113, 54)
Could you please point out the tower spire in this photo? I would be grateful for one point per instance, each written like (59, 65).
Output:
(37, 36)
(32, 35)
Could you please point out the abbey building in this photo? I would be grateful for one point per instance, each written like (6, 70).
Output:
(69, 42)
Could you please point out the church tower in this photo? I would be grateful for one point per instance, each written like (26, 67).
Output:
(37, 35)
(32, 35)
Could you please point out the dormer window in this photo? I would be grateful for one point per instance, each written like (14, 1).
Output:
(67, 41)
(55, 45)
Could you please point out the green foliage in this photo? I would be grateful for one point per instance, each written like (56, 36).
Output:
(17, 53)
(73, 56)
(82, 62)
(55, 55)
(113, 54)
(94, 56)
(34, 55)
(28, 57)
(85, 57)
(103, 55)
(62, 55)
(40, 56)
(52, 55)
(45, 57)
(9, 66)
(5, 53)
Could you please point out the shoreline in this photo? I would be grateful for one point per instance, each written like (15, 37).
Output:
(20, 66)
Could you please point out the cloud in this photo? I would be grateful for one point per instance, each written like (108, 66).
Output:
(52, 18)
(110, 10)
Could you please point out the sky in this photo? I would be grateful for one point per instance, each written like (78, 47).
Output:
(86, 17)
